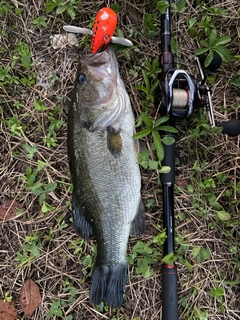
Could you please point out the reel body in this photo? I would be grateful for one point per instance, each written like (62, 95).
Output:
(182, 94)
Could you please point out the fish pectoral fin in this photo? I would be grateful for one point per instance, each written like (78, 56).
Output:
(81, 225)
(114, 141)
(138, 223)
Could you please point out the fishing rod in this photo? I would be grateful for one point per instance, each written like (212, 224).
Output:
(180, 94)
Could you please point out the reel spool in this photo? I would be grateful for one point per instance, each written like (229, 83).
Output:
(178, 94)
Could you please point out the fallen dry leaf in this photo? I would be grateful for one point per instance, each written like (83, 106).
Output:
(59, 41)
(7, 310)
(182, 183)
(30, 297)
(8, 209)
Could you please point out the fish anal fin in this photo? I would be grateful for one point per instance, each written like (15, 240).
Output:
(138, 223)
(114, 141)
(81, 225)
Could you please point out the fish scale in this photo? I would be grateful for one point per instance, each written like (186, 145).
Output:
(105, 174)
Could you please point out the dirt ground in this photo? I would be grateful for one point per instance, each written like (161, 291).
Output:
(40, 243)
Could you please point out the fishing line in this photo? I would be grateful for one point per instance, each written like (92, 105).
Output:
(176, 37)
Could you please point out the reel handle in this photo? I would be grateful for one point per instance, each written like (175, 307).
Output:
(231, 127)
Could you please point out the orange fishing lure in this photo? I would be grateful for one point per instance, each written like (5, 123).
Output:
(103, 29)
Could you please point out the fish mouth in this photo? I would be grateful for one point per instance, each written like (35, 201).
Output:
(102, 64)
(107, 106)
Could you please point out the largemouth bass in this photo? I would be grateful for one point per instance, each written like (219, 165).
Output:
(105, 174)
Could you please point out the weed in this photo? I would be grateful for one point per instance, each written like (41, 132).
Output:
(7, 297)
(22, 54)
(40, 22)
(152, 128)
(37, 187)
(15, 126)
(57, 307)
(200, 314)
(30, 250)
(6, 77)
(5, 7)
(146, 254)
(62, 6)
(216, 44)
(149, 87)
(201, 254)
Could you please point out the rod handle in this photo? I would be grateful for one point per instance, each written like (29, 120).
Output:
(169, 293)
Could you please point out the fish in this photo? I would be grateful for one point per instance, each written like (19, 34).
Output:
(106, 199)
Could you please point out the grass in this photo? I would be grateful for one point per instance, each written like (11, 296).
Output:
(40, 243)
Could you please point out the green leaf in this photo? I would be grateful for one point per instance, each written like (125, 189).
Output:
(181, 5)
(41, 165)
(169, 259)
(188, 265)
(38, 106)
(153, 165)
(36, 188)
(61, 9)
(158, 145)
(146, 119)
(201, 51)
(141, 88)
(142, 134)
(208, 59)
(146, 80)
(160, 238)
(224, 53)
(31, 150)
(144, 155)
(223, 215)
(212, 37)
(200, 314)
(47, 207)
(71, 12)
(201, 254)
(162, 6)
(236, 80)
(50, 187)
(160, 121)
(144, 269)
(165, 169)
(166, 128)
(222, 40)
(35, 251)
(192, 22)
(217, 292)
(168, 140)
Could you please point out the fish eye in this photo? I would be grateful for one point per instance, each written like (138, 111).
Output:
(81, 78)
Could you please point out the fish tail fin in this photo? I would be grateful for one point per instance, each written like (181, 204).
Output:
(108, 284)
